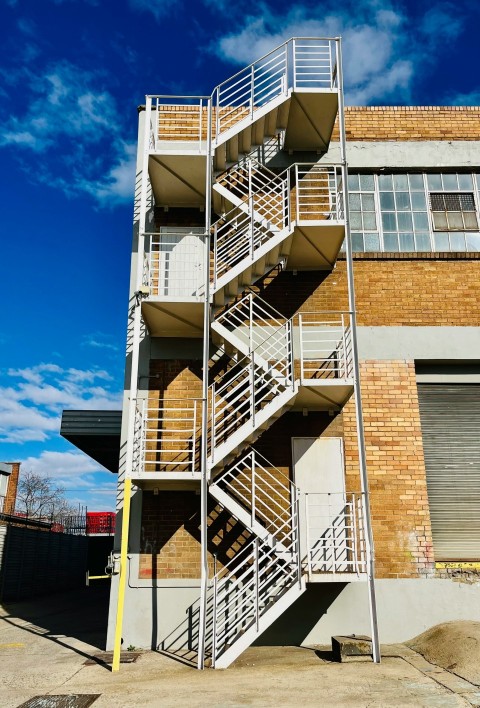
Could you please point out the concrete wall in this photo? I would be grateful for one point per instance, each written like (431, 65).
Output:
(406, 608)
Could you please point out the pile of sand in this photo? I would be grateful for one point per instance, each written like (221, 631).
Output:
(454, 646)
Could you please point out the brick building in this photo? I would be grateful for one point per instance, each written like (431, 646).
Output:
(270, 433)
(9, 473)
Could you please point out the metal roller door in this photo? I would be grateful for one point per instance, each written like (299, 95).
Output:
(450, 418)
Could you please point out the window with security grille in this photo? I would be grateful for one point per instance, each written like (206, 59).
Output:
(453, 211)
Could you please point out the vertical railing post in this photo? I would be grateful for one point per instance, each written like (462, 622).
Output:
(200, 125)
(212, 418)
(252, 90)
(300, 331)
(307, 535)
(297, 196)
(250, 323)
(294, 58)
(257, 583)
(214, 620)
(252, 389)
(217, 114)
(290, 351)
(355, 536)
(297, 539)
(253, 488)
(194, 431)
(288, 206)
(251, 206)
(344, 344)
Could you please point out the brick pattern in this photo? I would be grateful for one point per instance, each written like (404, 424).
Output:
(170, 536)
(396, 469)
(367, 123)
(11, 495)
(405, 293)
(173, 386)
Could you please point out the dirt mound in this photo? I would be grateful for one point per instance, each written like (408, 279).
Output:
(454, 646)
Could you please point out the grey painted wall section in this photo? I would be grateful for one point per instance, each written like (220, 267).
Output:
(415, 154)
(447, 343)
(405, 608)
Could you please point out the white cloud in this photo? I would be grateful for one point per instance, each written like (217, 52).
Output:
(382, 49)
(472, 98)
(63, 465)
(32, 402)
(72, 117)
(98, 340)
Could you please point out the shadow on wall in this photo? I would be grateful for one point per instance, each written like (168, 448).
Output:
(294, 625)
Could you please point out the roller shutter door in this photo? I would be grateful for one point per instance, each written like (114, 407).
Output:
(450, 418)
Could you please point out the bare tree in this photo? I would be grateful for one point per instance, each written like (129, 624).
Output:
(39, 497)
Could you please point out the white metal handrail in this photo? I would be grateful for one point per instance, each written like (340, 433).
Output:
(325, 345)
(169, 439)
(177, 119)
(256, 578)
(307, 63)
(335, 533)
(318, 192)
(265, 491)
(174, 263)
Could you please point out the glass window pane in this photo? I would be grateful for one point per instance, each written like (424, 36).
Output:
(473, 242)
(439, 220)
(422, 242)
(416, 182)
(353, 182)
(434, 182)
(357, 242)
(389, 221)
(387, 201)
(390, 242)
(356, 220)
(455, 220)
(419, 202)
(457, 242)
(366, 183)
(369, 220)
(450, 182)
(420, 222)
(400, 182)
(477, 177)
(406, 242)
(385, 182)
(470, 219)
(403, 200)
(440, 241)
(368, 202)
(465, 182)
(372, 242)
(404, 221)
(354, 201)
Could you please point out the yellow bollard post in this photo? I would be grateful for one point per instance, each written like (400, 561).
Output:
(122, 580)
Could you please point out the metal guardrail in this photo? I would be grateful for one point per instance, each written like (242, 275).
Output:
(335, 533)
(300, 64)
(167, 436)
(174, 264)
(325, 345)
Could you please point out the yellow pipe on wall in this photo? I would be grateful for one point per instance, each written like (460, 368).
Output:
(122, 580)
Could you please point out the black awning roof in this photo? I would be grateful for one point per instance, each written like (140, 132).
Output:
(97, 433)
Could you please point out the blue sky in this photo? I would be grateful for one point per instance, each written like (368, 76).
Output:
(72, 74)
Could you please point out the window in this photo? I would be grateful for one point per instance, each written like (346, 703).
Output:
(414, 211)
(453, 211)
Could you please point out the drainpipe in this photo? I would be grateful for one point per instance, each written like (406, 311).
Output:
(204, 447)
(357, 392)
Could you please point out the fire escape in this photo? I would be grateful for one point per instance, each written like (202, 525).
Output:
(219, 153)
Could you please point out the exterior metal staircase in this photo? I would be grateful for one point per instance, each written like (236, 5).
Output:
(265, 577)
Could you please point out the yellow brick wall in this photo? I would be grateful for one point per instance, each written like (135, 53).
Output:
(367, 123)
(396, 469)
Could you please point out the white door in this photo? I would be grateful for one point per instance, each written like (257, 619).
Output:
(319, 474)
(178, 258)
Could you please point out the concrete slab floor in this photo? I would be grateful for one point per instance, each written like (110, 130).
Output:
(44, 644)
